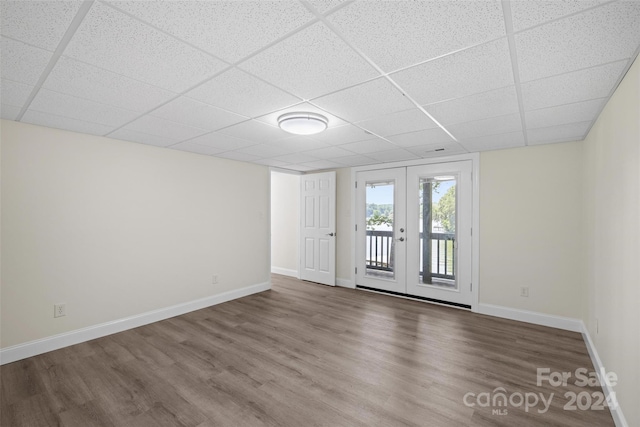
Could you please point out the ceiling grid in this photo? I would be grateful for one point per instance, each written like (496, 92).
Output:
(397, 80)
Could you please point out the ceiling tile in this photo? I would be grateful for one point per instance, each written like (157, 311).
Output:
(195, 148)
(164, 128)
(490, 126)
(329, 153)
(197, 114)
(368, 146)
(400, 122)
(568, 132)
(296, 158)
(221, 141)
(372, 99)
(355, 160)
(425, 137)
(461, 74)
(310, 63)
(89, 82)
(446, 149)
(38, 23)
(324, 6)
(272, 118)
(493, 103)
(272, 162)
(527, 13)
(142, 138)
(299, 143)
(263, 150)
(66, 123)
(563, 114)
(228, 29)
(9, 112)
(241, 157)
(110, 39)
(398, 34)
(567, 88)
(342, 135)
(13, 93)
(395, 155)
(59, 104)
(323, 164)
(22, 63)
(256, 131)
(494, 142)
(605, 34)
(240, 92)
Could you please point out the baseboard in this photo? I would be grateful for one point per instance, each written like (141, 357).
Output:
(345, 283)
(616, 411)
(44, 345)
(566, 323)
(284, 271)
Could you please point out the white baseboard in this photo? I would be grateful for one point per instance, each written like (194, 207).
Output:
(284, 271)
(566, 323)
(345, 283)
(616, 411)
(33, 348)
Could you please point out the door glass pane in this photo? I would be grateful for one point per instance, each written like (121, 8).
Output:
(380, 246)
(438, 231)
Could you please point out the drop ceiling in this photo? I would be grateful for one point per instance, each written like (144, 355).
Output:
(398, 80)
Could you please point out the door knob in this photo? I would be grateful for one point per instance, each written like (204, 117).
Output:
(401, 239)
(331, 234)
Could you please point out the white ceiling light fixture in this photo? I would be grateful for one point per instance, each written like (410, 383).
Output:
(303, 123)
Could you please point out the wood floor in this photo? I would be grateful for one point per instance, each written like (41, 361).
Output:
(303, 355)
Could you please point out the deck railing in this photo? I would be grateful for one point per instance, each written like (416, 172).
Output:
(379, 253)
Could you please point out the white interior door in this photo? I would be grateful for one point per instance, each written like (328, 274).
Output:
(439, 219)
(318, 228)
(380, 229)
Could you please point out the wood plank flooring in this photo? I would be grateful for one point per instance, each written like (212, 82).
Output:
(301, 355)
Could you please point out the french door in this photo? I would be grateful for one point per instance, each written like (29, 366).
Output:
(413, 231)
(381, 229)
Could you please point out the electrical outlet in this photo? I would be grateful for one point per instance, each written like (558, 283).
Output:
(215, 279)
(59, 310)
(524, 291)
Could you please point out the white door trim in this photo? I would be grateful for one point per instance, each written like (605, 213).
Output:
(475, 242)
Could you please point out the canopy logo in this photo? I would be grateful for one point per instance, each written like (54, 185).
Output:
(499, 400)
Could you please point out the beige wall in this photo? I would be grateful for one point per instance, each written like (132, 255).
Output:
(115, 229)
(612, 227)
(285, 220)
(531, 230)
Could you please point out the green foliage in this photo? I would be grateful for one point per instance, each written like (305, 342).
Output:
(379, 215)
(384, 210)
(378, 219)
(444, 212)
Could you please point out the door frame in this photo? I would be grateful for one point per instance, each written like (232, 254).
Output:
(475, 220)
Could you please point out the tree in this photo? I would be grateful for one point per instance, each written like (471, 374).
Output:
(379, 219)
(444, 212)
(379, 215)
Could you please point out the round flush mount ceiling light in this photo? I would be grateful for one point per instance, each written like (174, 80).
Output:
(302, 123)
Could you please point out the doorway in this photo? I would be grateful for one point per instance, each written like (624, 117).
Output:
(414, 231)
